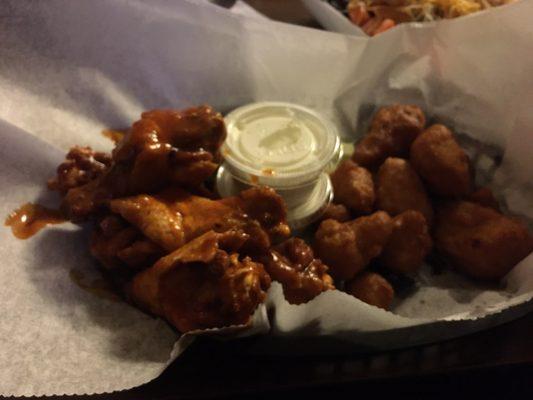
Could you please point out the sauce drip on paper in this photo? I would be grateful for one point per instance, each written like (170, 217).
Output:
(30, 218)
(113, 134)
(100, 287)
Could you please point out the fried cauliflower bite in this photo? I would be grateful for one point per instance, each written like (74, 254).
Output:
(408, 244)
(266, 206)
(484, 197)
(165, 147)
(347, 248)
(441, 162)
(204, 284)
(400, 189)
(353, 187)
(391, 132)
(293, 264)
(338, 212)
(479, 241)
(371, 288)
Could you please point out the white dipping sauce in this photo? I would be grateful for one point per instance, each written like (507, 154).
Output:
(284, 146)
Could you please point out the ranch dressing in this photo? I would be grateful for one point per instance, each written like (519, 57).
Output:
(285, 146)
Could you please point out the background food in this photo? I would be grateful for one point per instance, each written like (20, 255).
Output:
(376, 16)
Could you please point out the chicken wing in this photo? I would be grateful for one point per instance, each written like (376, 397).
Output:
(204, 284)
(348, 247)
(293, 264)
(441, 162)
(82, 165)
(479, 241)
(392, 131)
(353, 187)
(174, 216)
(165, 147)
(408, 244)
(400, 189)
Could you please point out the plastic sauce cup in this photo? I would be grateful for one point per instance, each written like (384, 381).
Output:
(285, 146)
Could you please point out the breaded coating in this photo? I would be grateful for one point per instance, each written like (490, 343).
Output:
(293, 264)
(399, 189)
(441, 162)
(392, 131)
(348, 247)
(204, 284)
(353, 187)
(338, 212)
(371, 288)
(479, 241)
(409, 243)
(484, 197)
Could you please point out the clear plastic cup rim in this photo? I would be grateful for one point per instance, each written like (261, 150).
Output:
(251, 172)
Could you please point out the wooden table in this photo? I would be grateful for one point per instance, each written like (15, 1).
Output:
(497, 361)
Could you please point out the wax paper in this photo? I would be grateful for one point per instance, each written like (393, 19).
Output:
(69, 69)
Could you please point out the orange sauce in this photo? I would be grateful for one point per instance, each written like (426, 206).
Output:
(268, 171)
(254, 179)
(30, 218)
(115, 135)
(98, 287)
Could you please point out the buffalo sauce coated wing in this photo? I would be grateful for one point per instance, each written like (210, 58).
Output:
(174, 217)
(400, 189)
(165, 147)
(371, 288)
(171, 147)
(479, 241)
(204, 284)
(347, 248)
(293, 264)
(391, 132)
